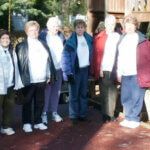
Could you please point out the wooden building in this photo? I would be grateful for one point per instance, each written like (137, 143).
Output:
(97, 9)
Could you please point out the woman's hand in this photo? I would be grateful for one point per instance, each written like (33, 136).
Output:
(119, 79)
(101, 74)
(48, 81)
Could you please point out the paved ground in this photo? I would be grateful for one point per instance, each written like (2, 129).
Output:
(83, 136)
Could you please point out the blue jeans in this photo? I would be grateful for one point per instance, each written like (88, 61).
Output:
(78, 94)
(132, 97)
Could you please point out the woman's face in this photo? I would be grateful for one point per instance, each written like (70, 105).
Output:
(33, 32)
(110, 27)
(54, 28)
(80, 29)
(130, 28)
(5, 41)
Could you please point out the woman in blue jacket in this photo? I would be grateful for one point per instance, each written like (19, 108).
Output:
(76, 60)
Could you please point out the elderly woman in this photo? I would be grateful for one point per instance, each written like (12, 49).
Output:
(36, 68)
(130, 71)
(55, 40)
(9, 80)
(105, 46)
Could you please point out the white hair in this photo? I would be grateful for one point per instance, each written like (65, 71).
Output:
(110, 19)
(53, 19)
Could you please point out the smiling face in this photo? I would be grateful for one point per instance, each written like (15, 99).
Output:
(110, 27)
(130, 28)
(110, 23)
(54, 27)
(5, 41)
(80, 29)
(33, 32)
(130, 23)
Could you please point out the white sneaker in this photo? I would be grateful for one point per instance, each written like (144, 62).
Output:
(7, 131)
(40, 126)
(27, 128)
(124, 123)
(56, 117)
(133, 124)
(44, 118)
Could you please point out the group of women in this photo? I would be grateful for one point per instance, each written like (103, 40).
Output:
(35, 67)
(125, 59)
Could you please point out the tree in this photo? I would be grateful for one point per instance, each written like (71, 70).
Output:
(40, 10)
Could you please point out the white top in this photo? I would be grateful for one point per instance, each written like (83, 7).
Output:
(82, 52)
(110, 51)
(56, 47)
(38, 61)
(127, 55)
(10, 66)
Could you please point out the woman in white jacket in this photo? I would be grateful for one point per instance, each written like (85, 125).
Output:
(9, 81)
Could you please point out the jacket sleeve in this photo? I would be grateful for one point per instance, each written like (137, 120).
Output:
(66, 62)
(18, 82)
(143, 64)
(3, 89)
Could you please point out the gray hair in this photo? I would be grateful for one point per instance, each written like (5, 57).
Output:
(110, 19)
(53, 19)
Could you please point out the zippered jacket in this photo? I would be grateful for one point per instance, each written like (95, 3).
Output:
(69, 59)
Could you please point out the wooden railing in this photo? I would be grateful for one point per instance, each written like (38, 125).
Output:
(126, 6)
(120, 8)
(116, 7)
(142, 5)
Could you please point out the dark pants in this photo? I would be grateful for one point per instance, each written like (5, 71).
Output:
(78, 94)
(33, 93)
(132, 97)
(52, 94)
(7, 103)
(108, 91)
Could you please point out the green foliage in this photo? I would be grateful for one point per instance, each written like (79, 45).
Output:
(76, 7)
(41, 10)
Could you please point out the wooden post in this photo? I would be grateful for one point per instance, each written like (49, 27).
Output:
(148, 5)
(128, 7)
(9, 17)
(142, 5)
(106, 2)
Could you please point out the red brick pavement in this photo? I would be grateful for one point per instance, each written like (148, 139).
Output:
(83, 136)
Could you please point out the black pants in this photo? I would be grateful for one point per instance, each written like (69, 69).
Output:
(7, 103)
(33, 93)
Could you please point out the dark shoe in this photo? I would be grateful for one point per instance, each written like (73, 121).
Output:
(113, 119)
(84, 119)
(74, 120)
(106, 118)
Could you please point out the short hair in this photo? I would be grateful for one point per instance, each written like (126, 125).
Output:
(130, 19)
(79, 22)
(3, 32)
(30, 24)
(110, 19)
(53, 19)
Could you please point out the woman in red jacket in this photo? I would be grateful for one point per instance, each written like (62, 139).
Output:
(105, 45)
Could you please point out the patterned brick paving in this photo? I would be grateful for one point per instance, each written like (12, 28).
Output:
(83, 136)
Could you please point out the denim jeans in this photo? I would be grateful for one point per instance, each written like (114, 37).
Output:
(132, 97)
(78, 94)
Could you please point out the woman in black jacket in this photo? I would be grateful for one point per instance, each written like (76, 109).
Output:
(36, 69)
